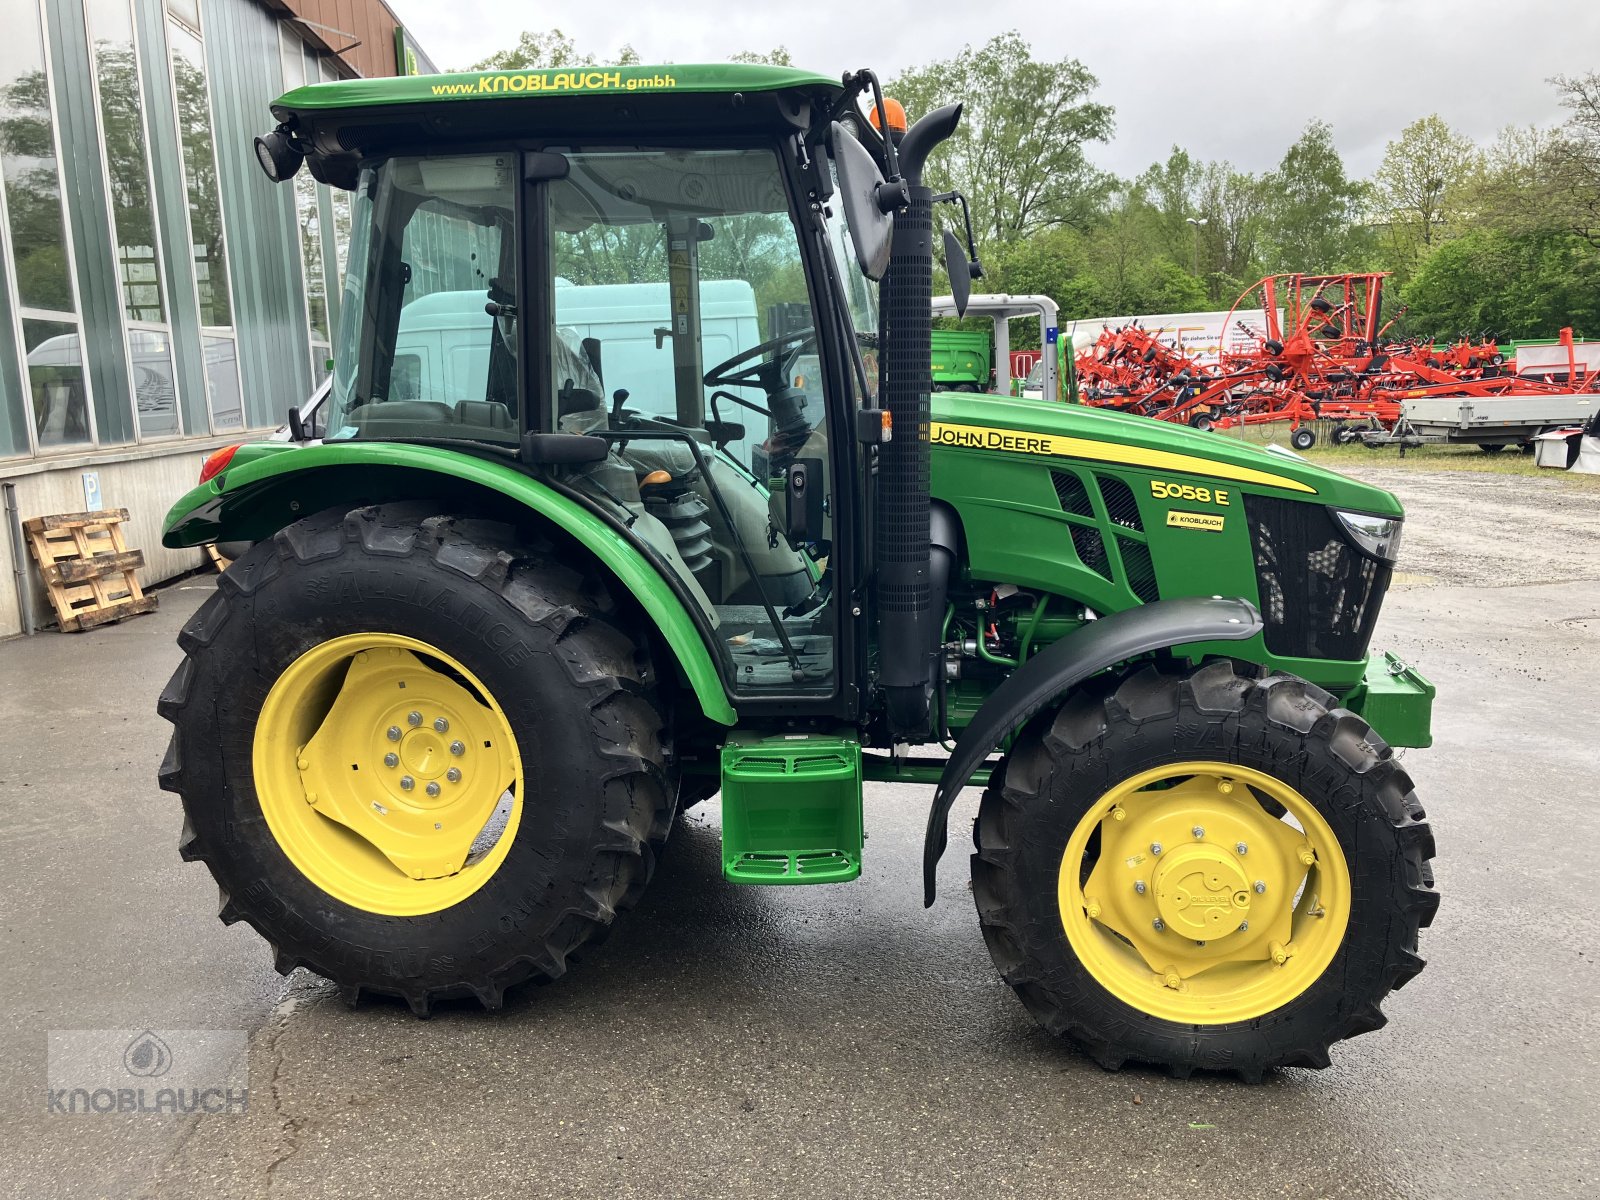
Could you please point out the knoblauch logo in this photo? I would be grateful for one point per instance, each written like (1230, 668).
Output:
(147, 1056)
(88, 1073)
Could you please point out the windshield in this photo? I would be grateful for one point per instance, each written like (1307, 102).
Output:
(432, 275)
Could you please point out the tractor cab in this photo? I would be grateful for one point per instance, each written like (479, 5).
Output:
(633, 317)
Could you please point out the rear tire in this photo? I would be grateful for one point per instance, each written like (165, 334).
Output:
(1056, 778)
(541, 641)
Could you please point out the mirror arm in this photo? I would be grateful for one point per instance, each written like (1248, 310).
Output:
(864, 80)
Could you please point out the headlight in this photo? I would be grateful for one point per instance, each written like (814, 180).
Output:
(1378, 536)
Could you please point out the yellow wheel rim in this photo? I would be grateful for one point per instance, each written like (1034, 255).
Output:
(1187, 898)
(382, 767)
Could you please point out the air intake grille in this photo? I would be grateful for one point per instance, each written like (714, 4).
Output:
(1073, 495)
(1141, 571)
(1121, 507)
(1091, 550)
(1319, 596)
(1090, 542)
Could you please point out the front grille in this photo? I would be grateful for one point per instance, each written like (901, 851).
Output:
(1319, 596)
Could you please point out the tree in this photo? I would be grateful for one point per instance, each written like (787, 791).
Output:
(1312, 208)
(1231, 202)
(1018, 154)
(1574, 155)
(1513, 284)
(1419, 183)
(541, 51)
(778, 56)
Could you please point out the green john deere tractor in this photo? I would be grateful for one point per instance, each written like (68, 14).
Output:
(630, 490)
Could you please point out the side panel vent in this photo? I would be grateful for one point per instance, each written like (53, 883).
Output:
(1074, 497)
(1121, 507)
(1141, 571)
(1091, 550)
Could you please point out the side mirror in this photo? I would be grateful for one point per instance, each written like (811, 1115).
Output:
(297, 426)
(803, 497)
(859, 181)
(960, 272)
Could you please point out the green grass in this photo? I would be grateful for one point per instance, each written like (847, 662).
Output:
(1510, 461)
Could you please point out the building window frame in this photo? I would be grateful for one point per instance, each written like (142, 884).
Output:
(211, 336)
(20, 313)
(129, 325)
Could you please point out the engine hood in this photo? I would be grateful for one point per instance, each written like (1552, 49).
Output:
(976, 424)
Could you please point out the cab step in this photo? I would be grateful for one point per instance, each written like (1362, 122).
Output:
(791, 808)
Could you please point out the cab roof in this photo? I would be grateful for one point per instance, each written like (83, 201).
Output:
(547, 83)
(338, 124)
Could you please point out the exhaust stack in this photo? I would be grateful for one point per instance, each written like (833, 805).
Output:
(907, 625)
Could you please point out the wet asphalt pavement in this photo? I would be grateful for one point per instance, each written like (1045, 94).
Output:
(835, 1040)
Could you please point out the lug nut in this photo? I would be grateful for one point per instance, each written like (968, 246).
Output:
(440, 724)
(1307, 857)
(407, 783)
(1242, 848)
(433, 787)
(1199, 832)
(391, 759)
(1244, 926)
(394, 733)
(413, 718)
(1261, 888)
(1224, 786)
(453, 774)
(1155, 847)
(1158, 924)
(1138, 886)
(458, 748)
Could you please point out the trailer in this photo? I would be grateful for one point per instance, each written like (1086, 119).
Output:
(1492, 422)
(1003, 309)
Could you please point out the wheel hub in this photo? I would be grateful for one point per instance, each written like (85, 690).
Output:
(1201, 904)
(1202, 892)
(368, 732)
(423, 753)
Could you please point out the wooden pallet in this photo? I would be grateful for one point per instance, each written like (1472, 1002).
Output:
(88, 568)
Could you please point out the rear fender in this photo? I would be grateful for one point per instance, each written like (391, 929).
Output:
(1061, 666)
(256, 499)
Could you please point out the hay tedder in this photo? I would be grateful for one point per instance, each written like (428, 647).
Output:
(1320, 350)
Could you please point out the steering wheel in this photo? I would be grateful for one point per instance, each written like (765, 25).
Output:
(770, 375)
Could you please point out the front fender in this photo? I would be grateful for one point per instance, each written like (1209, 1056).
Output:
(256, 498)
(1063, 665)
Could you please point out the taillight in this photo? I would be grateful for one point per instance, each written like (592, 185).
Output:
(217, 461)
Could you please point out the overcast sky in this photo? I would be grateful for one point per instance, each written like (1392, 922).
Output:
(1233, 79)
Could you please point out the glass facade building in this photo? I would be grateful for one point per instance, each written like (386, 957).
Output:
(159, 296)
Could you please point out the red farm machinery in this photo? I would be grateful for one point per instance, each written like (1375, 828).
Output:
(1315, 347)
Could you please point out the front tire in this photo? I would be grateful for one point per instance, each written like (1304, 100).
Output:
(1116, 900)
(420, 757)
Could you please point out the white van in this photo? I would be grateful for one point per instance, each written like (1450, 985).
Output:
(443, 341)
